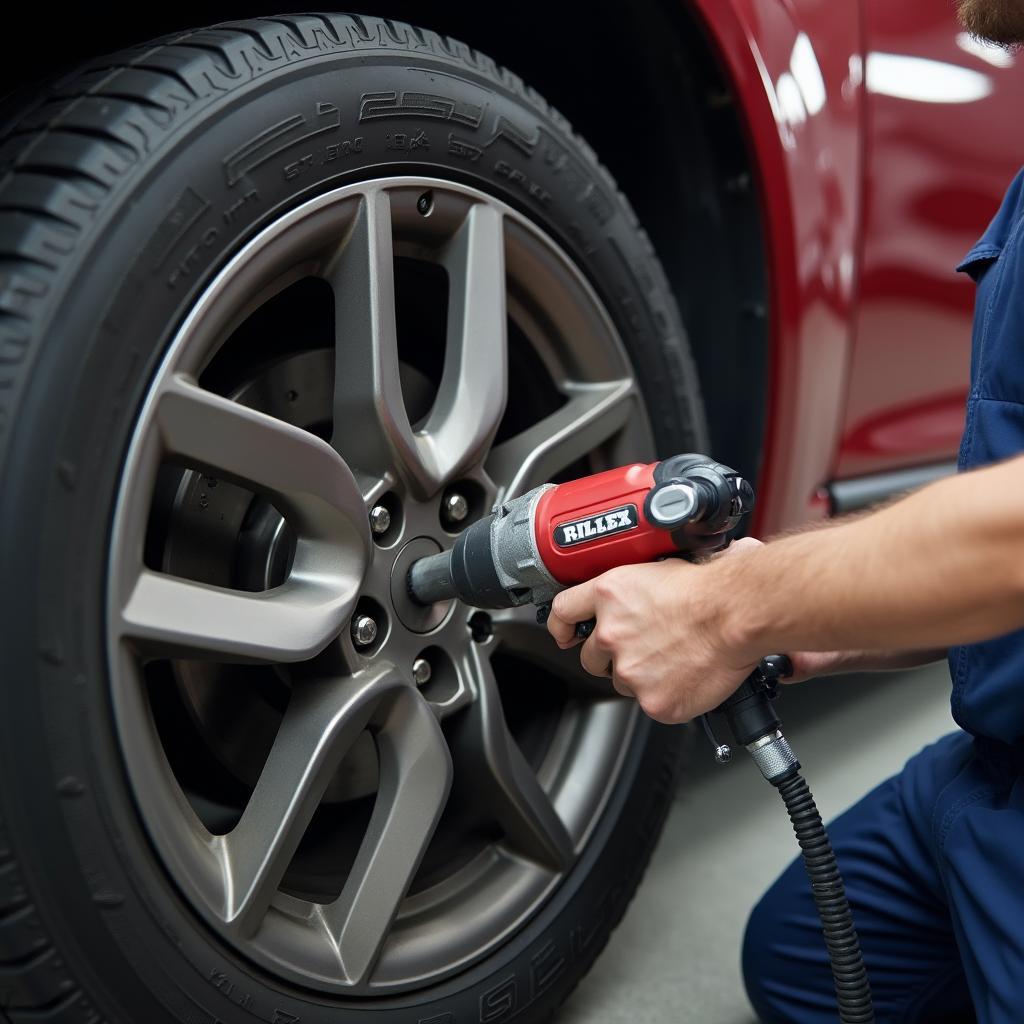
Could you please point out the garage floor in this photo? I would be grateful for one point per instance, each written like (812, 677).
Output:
(675, 957)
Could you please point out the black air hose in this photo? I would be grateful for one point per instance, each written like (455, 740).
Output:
(851, 979)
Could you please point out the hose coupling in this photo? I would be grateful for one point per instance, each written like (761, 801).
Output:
(773, 755)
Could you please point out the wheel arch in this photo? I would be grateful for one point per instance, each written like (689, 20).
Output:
(798, 70)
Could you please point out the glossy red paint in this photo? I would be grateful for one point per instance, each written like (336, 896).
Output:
(879, 134)
(902, 432)
(796, 70)
(939, 159)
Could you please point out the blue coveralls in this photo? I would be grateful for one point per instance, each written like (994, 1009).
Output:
(933, 859)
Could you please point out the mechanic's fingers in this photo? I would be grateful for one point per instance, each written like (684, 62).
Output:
(741, 545)
(595, 659)
(569, 607)
(620, 687)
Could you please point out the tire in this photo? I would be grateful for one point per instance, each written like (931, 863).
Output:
(125, 191)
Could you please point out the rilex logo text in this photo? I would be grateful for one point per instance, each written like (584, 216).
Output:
(616, 520)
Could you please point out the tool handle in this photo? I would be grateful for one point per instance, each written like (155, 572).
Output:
(749, 710)
(776, 666)
(583, 629)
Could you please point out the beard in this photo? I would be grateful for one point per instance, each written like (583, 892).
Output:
(999, 21)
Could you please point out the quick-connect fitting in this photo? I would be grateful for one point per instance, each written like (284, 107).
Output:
(773, 756)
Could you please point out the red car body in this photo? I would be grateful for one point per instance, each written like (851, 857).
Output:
(866, 119)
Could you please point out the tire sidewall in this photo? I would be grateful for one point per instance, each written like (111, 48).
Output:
(99, 890)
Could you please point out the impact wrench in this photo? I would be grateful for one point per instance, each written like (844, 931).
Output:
(558, 535)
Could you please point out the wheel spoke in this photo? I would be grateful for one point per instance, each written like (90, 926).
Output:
(505, 785)
(323, 720)
(372, 426)
(415, 778)
(315, 491)
(170, 616)
(593, 414)
(471, 399)
(311, 485)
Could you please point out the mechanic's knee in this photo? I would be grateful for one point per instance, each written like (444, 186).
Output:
(785, 968)
(758, 957)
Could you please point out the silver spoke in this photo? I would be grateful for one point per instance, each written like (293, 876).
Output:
(593, 415)
(471, 399)
(172, 616)
(310, 485)
(372, 426)
(415, 778)
(514, 797)
(324, 718)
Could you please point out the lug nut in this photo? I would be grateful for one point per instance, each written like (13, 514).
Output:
(425, 203)
(364, 630)
(421, 671)
(380, 520)
(456, 508)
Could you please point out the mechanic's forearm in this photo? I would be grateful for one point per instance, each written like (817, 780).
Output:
(899, 661)
(812, 664)
(943, 566)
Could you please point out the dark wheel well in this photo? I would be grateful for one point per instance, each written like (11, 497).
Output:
(685, 164)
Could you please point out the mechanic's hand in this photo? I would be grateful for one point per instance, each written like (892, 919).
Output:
(658, 634)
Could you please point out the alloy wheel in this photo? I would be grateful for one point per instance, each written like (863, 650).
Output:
(363, 813)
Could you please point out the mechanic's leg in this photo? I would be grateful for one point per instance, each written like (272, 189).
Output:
(980, 833)
(883, 846)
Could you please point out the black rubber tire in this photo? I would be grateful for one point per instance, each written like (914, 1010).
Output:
(119, 197)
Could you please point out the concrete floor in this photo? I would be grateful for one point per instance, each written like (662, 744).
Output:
(675, 956)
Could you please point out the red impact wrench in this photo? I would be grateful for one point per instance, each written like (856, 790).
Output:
(559, 535)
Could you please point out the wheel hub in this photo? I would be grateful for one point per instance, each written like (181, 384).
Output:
(414, 616)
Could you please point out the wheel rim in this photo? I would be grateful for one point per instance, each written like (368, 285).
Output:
(446, 813)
